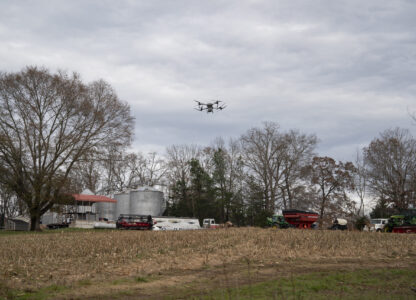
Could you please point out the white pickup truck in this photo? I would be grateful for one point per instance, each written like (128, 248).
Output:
(378, 224)
(209, 223)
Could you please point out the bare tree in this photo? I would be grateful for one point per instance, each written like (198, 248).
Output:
(331, 180)
(178, 158)
(48, 122)
(155, 169)
(360, 181)
(236, 178)
(263, 150)
(119, 171)
(142, 170)
(88, 174)
(299, 151)
(277, 159)
(391, 167)
(124, 170)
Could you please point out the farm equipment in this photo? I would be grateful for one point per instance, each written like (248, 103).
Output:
(173, 223)
(137, 222)
(404, 223)
(300, 218)
(405, 229)
(278, 222)
(57, 225)
(394, 221)
(339, 224)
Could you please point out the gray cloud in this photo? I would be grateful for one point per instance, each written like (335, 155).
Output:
(341, 69)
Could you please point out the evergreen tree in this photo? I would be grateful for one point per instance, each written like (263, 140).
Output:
(202, 192)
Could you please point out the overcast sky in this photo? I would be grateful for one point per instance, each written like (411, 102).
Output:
(343, 70)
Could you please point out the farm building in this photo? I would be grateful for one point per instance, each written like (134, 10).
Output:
(88, 208)
(17, 223)
(83, 212)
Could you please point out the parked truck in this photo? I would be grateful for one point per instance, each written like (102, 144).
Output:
(210, 223)
(378, 225)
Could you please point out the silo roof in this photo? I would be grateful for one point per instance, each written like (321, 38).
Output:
(93, 198)
(146, 188)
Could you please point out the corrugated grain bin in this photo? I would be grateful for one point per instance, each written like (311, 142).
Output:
(146, 201)
(123, 204)
(106, 210)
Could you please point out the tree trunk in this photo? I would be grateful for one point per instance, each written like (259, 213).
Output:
(289, 194)
(321, 217)
(284, 198)
(322, 210)
(35, 221)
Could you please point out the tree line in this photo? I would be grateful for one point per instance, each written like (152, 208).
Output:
(59, 136)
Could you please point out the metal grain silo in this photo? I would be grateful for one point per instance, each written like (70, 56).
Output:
(146, 201)
(106, 210)
(123, 204)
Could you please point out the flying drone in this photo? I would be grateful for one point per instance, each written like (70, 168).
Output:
(211, 106)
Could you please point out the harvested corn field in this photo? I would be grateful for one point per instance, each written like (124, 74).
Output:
(121, 264)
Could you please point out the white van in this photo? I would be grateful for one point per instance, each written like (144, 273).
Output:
(378, 224)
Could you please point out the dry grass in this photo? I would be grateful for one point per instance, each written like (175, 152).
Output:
(39, 260)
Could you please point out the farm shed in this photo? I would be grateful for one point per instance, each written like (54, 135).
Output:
(18, 223)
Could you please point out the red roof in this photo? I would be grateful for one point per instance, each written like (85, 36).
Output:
(93, 198)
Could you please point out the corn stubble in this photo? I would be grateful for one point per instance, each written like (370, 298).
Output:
(37, 260)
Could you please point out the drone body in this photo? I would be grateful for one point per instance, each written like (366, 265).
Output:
(210, 106)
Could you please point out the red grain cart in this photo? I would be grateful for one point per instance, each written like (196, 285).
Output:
(300, 218)
(405, 229)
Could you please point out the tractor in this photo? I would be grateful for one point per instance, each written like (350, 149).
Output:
(278, 222)
(403, 223)
(394, 221)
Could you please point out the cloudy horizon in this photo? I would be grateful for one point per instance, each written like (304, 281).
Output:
(342, 70)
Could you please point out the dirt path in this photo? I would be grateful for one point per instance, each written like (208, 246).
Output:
(195, 283)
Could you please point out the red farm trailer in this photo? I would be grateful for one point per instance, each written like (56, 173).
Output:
(405, 229)
(300, 218)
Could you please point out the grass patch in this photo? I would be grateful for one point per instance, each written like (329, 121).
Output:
(141, 279)
(361, 284)
(120, 281)
(12, 232)
(84, 282)
(48, 292)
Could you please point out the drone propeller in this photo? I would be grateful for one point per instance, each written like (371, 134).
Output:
(222, 107)
(199, 103)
